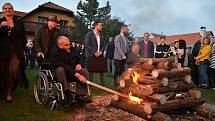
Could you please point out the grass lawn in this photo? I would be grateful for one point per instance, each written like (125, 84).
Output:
(24, 107)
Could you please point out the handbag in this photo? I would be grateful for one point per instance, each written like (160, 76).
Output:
(97, 64)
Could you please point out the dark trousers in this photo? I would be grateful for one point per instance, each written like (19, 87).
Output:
(119, 68)
(61, 76)
(101, 75)
(194, 74)
(212, 77)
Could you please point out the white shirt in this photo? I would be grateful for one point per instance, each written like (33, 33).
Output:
(98, 40)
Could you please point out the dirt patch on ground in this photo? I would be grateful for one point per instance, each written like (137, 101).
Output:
(100, 110)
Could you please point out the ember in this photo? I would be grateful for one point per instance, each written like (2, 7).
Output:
(135, 99)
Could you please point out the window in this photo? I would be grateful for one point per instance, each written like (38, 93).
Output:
(42, 19)
(63, 23)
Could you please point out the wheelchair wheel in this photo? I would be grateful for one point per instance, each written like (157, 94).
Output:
(41, 86)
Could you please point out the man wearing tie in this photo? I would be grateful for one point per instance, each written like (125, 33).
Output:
(146, 47)
(120, 52)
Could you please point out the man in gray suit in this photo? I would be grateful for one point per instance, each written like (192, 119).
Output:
(120, 52)
(94, 49)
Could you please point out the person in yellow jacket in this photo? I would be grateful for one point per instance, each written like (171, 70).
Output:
(203, 60)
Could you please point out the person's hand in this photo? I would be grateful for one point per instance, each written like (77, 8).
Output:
(124, 57)
(40, 55)
(78, 67)
(4, 23)
(81, 77)
(98, 53)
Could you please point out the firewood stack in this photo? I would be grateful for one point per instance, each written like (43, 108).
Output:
(155, 87)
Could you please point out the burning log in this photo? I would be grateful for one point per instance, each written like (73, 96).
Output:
(162, 73)
(158, 116)
(172, 105)
(131, 107)
(127, 74)
(159, 82)
(158, 98)
(204, 111)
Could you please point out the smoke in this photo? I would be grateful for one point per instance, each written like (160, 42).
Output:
(167, 16)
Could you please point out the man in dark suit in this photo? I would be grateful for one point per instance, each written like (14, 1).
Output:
(120, 53)
(63, 59)
(146, 47)
(94, 49)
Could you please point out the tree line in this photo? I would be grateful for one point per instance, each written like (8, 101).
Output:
(88, 12)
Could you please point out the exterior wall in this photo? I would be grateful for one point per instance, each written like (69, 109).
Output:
(34, 17)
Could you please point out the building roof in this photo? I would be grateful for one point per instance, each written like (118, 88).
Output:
(52, 6)
(16, 13)
(190, 38)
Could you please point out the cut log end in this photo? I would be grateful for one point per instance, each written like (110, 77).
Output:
(147, 108)
(165, 82)
(162, 98)
(116, 97)
(194, 93)
(188, 79)
(122, 83)
(204, 111)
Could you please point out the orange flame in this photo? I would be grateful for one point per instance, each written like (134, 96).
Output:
(135, 99)
(135, 77)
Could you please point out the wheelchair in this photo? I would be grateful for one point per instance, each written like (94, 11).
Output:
(47, 90)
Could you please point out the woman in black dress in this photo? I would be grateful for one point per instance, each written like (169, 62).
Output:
(12, 49)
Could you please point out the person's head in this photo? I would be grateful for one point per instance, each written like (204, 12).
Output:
(146, 36)
(135, 48)
(52, 22)
(213, 39)
(176, 44)
(110, 39)
(206, 41)
(7, 9)
(63, 43)
(97, 26)
(162, 39)
(124, 29)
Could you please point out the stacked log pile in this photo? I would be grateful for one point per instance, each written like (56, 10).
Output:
(161, 85)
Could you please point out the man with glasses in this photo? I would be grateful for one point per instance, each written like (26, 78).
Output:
(146, 47)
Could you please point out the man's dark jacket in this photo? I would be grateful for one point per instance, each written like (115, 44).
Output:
(44, 39)
(60, 58)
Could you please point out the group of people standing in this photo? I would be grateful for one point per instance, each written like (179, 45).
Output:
(50, 43)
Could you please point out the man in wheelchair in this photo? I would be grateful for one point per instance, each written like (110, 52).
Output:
(68, 69)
